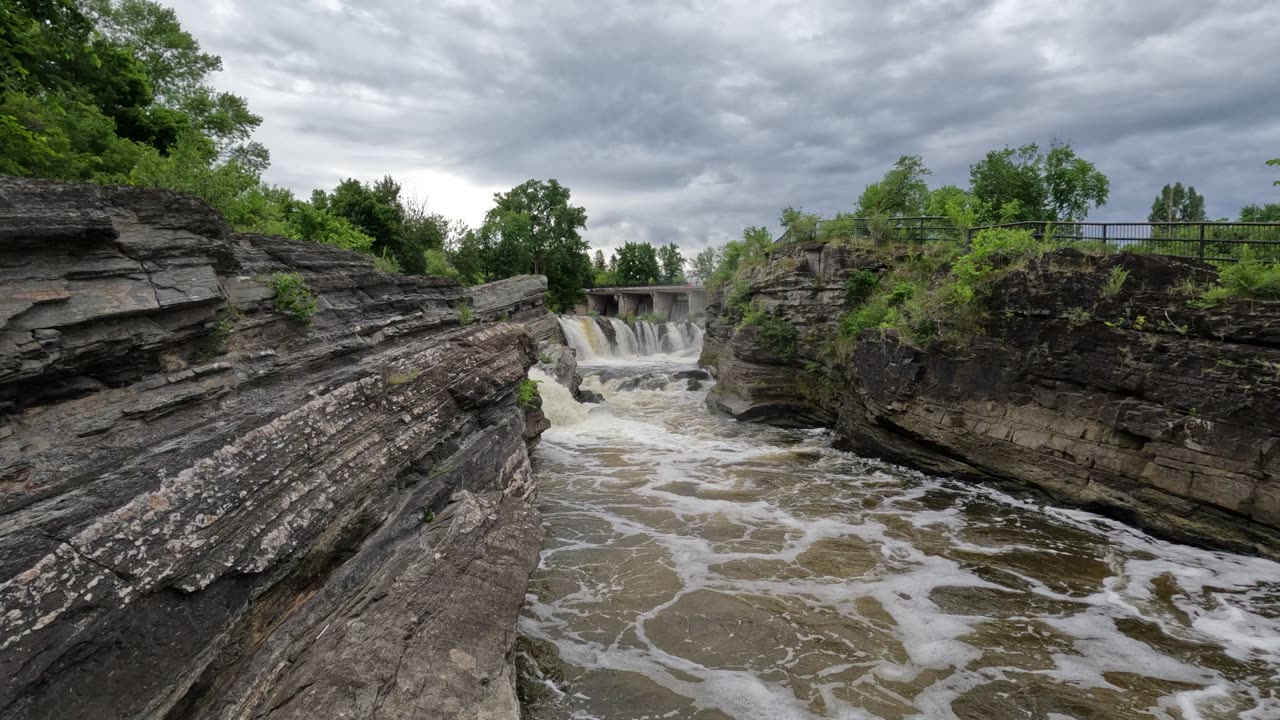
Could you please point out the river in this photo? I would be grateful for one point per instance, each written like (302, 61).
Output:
(697, 567)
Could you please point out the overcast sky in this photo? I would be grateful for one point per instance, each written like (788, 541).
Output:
(686, 121)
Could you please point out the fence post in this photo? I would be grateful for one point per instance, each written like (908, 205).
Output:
(1104, 238)
(1201, 241)
(922, 237)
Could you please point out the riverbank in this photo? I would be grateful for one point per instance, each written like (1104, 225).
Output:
(244, 476)
(1087, 378)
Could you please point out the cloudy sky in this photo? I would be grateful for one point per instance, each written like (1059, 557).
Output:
(686, 121)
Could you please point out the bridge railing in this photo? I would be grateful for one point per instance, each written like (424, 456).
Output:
(1213, 241)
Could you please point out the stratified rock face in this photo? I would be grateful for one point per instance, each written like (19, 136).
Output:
(1136, 405)
(803, 285)
(210, 509)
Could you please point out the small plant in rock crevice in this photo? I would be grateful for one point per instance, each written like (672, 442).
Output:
(859, 286)
(1115, 281)
(402, 378)
(220, 330)
(293, 296)
(465, 314)
(778, 335)
(1078, 317)
(527, 394)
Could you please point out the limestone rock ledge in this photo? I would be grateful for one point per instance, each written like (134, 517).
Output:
(1134, 405)
(210, 509)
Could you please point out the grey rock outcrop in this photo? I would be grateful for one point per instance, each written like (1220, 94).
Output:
(211, 509)
(1133, 404)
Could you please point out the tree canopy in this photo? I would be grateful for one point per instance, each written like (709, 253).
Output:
(1013, 185)
(1176, 203)
(637, 265)
(532, 228)
(901, 193)
(672, 262)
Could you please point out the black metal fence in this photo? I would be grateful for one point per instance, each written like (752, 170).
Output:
(1217, 241)
(1214, 241)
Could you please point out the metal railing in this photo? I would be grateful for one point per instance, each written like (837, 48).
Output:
(1214, 241)
(1217, 241)
(909, 229)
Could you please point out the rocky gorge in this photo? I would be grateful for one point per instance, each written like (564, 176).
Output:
(221, 501)
(1129, 401)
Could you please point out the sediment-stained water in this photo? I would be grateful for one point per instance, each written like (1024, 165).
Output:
(697, 567)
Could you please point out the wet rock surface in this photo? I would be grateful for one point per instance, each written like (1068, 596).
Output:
(1136, 405)
(211, 509)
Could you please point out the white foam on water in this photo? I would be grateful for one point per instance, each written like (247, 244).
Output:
(651, 472)
(557, 402)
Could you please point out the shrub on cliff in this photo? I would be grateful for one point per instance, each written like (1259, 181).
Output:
(1248, 279)
(935, 296)
(778, 335)
(527, 394)
(293, 296)
(752, 250)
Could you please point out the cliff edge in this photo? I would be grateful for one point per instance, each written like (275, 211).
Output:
(1090, 379)
(215, 503)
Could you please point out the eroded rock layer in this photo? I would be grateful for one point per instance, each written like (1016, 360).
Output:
(212, 509)
(1134, 404)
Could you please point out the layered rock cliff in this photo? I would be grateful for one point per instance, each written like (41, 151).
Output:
(210, 508)
(1131, 403)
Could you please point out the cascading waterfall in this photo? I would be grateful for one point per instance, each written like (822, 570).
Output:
(627, 342)
(584, 336)
(644, 339)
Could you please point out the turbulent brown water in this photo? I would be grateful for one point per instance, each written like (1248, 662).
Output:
(697, 567)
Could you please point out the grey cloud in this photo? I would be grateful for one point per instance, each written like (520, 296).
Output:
(689, 121)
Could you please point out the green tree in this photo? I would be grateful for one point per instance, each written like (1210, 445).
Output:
(705, 262)
(468, 254)
(754, 247)
(1268, 213)
(533, 228)
(798, 224)
(1275, 163)
(637, 265)
(672, 262)
(1176, 203)
(598, 263)
(73, 105)
(178, 69)
(939, 198)
(405, 230)
(1025, 184)
(901, 193)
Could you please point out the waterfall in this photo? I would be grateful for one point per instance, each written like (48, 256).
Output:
(682, 339)
(648, 334)
(584, 336)
(627, 342)
(557, 403)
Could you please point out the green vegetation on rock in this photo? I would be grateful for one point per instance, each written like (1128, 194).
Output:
(293, 296)
(527, 394)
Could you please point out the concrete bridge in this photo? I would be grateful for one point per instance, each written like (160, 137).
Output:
(672, 302)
